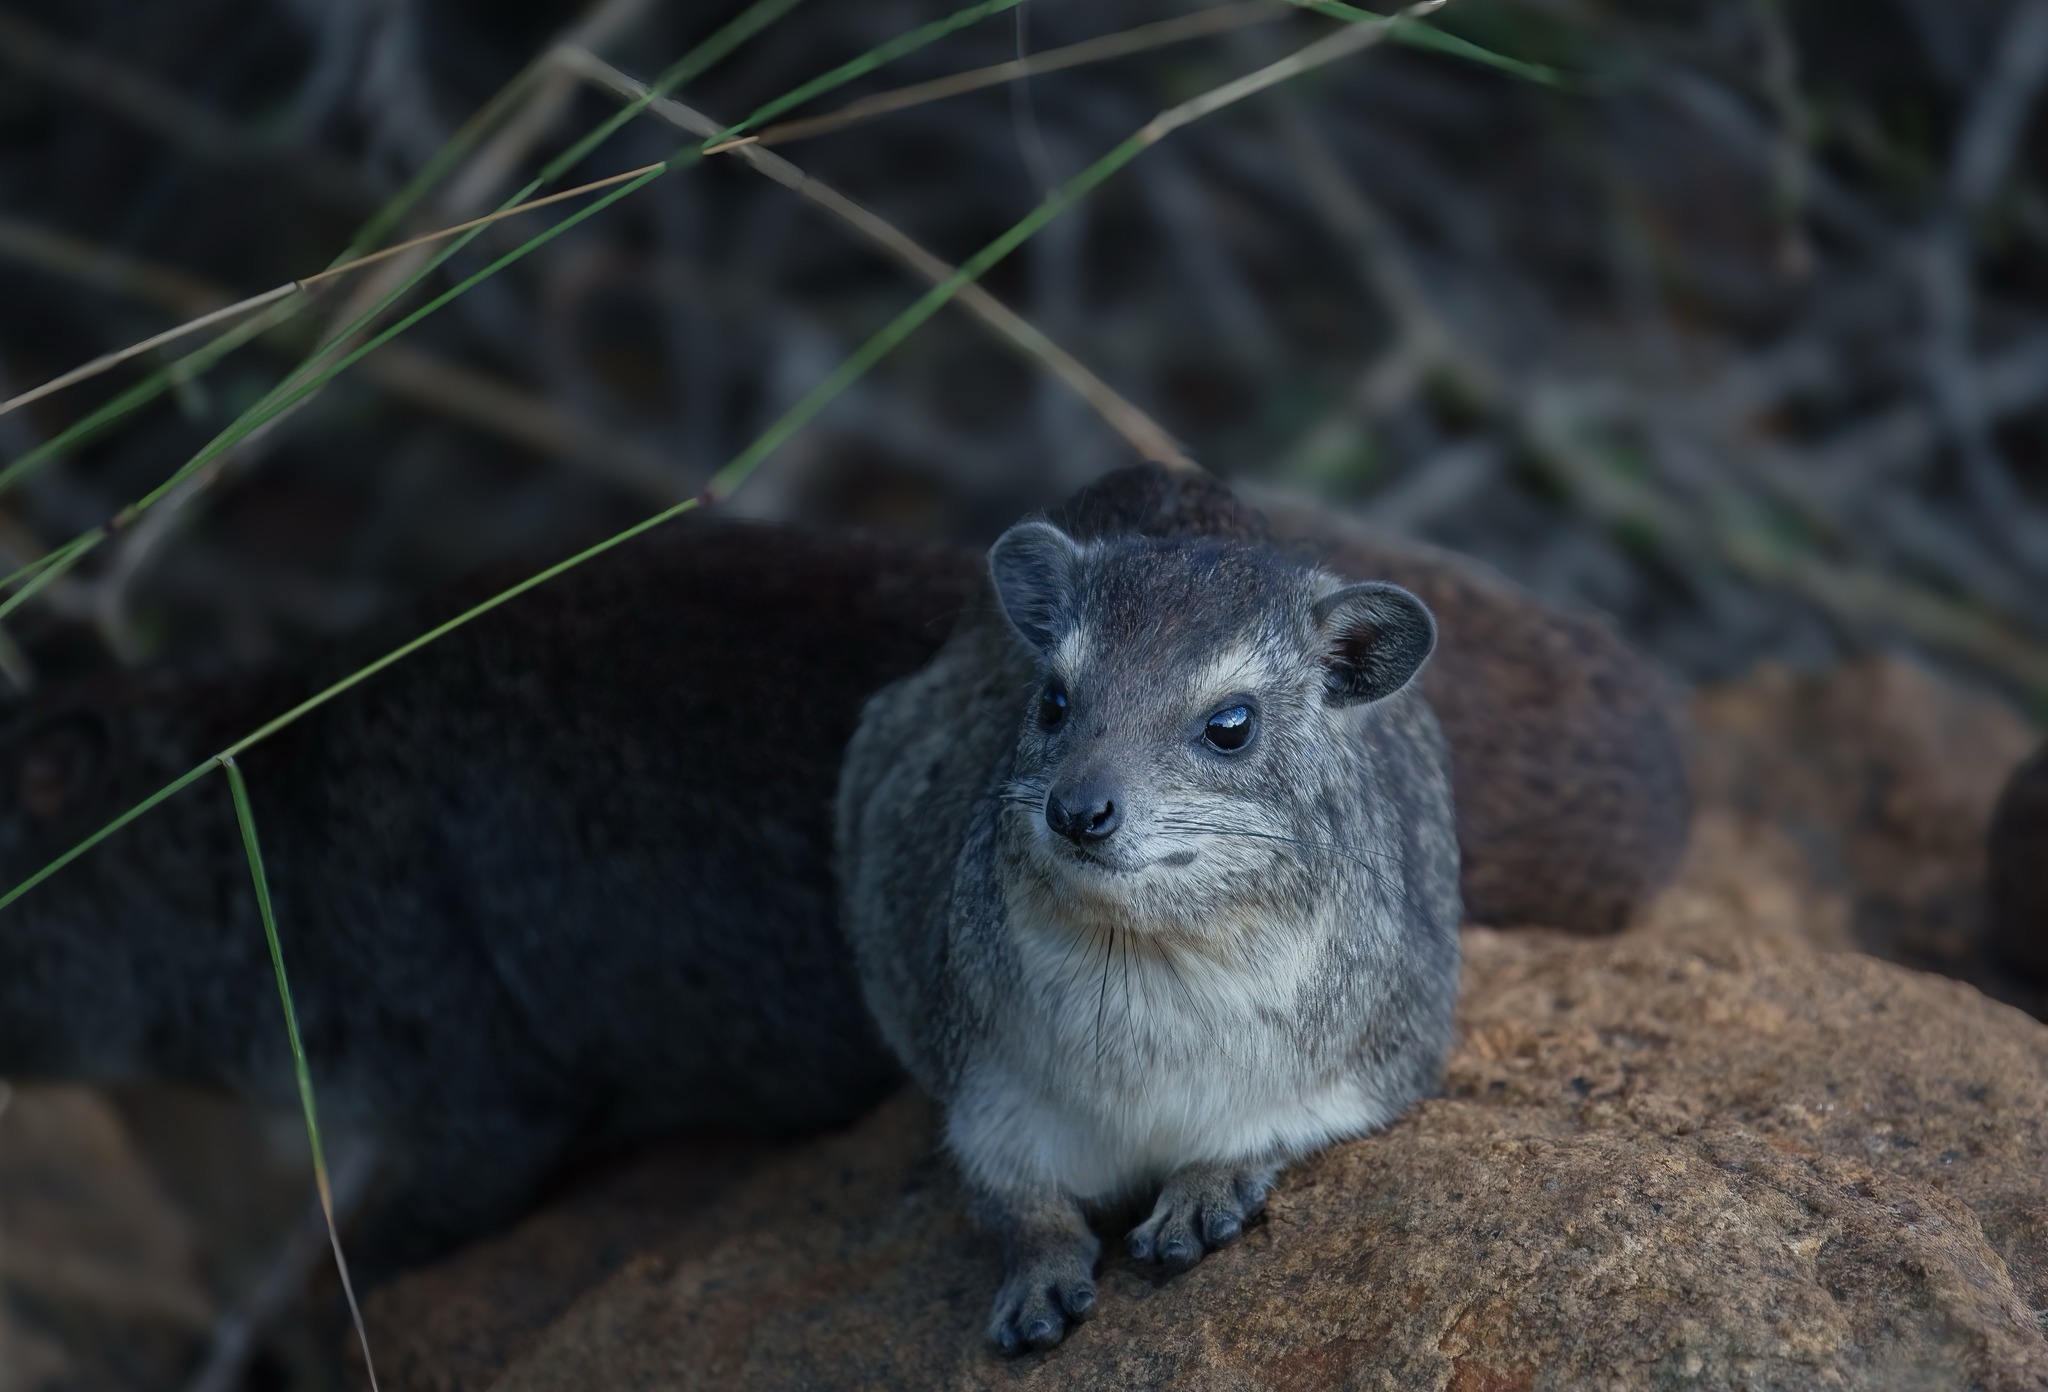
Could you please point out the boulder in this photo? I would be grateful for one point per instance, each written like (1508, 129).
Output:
(2017, 911)
(1684, 1156)
(1883, 776)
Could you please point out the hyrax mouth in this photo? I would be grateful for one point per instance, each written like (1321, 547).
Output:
(1099, 861)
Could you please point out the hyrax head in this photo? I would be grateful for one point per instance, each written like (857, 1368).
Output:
(1192, 731)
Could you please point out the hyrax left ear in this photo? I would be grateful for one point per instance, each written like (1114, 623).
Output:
(1376, 637)
(1036, 569)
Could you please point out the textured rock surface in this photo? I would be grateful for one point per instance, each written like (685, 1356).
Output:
(1883, 776)
(1687, 1155)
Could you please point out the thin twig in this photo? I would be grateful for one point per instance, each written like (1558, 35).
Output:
(1328, 49)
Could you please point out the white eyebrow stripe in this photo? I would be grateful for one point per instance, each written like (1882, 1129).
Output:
(1072, 651)
(1232, 670)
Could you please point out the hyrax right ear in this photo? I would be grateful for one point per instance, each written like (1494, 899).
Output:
(1376, 637)
(1035, 567)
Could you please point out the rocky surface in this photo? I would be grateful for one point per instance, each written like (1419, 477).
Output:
(1705, 1153)
(1883, 777)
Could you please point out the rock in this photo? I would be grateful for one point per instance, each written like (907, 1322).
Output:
(1883, 776)
(133, 1224)
(99, 1270)
(2017, 849)
(1683, 1156)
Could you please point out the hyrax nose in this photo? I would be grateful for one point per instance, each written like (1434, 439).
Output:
(1084, 814)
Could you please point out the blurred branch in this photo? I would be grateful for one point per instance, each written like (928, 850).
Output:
(169, 115)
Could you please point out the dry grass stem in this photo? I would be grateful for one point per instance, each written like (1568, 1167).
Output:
(276, 293)
(1201, 24)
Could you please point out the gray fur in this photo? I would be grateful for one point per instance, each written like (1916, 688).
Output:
(1259, 958)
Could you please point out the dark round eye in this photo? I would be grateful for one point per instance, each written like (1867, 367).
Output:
(1230, 729)
(1052, 707)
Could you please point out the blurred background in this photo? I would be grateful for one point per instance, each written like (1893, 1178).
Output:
(1726, 317)
(1735, 331)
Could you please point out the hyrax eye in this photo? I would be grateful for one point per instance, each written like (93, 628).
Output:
(1230, 729)
(1052, 707)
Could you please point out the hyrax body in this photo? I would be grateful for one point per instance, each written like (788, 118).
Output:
(1152, 880)
(561, 877)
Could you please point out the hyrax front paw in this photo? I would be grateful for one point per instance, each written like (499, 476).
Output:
(1201, 1208)
(1042, 1298)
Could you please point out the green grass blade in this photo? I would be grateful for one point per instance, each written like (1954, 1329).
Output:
(1418, 34)
(698, 60)
(246, 817)
(160, 795)
(295, 387)
(407, 649)
(246, 425)
(867, 62)
(39, 565)
(178, 373)
(51, 568)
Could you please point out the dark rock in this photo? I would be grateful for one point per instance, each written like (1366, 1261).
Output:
(2016, 923)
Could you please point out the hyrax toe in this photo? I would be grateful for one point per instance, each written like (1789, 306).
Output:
(1200, 1209)
(1040, 1304)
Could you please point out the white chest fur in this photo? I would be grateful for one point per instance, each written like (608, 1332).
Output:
(1121, 1060)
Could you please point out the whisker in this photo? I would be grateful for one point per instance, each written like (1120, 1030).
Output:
(1354, 854)
(1102, 993)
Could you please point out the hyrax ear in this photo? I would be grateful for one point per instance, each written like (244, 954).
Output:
(1035, 566)
(1376, 637)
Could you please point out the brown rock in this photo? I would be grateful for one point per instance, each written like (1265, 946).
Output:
(1673, 1158)
(1883, 776)
(2017, 848)
(100, 1284)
